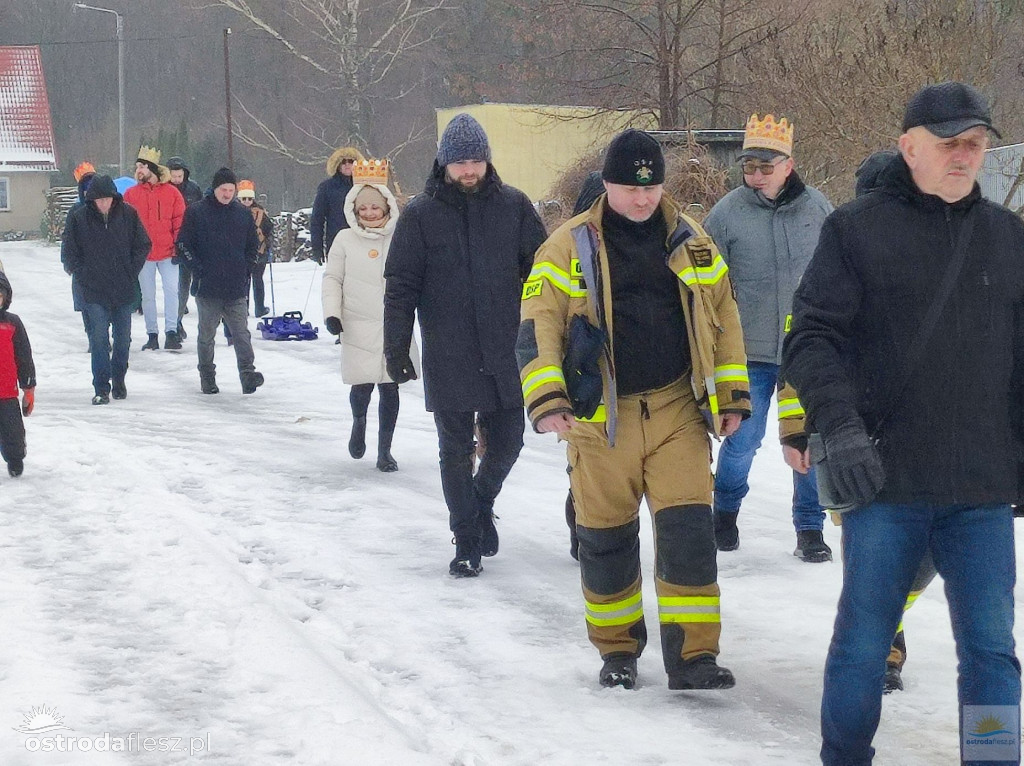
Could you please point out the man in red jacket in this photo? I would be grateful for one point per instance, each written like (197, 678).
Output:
(161, 208)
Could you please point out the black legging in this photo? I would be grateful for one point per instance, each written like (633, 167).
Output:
(359, 398)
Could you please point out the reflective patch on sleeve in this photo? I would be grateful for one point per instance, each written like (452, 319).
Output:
(789, 322)
(532, 288)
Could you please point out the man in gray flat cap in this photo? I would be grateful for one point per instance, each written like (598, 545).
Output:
(460, 254)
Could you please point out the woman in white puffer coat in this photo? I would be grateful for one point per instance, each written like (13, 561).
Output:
(353, 298)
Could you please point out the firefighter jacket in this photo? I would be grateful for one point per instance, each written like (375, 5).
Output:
(571, 277)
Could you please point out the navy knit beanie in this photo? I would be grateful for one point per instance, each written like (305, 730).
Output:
(464, 139)
(224, 176)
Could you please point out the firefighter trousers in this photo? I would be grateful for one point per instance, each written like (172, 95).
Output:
(662, 453)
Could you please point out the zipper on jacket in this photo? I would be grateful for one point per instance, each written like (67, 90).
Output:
(644, 412)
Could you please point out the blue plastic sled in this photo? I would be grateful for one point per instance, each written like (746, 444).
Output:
(287, 327)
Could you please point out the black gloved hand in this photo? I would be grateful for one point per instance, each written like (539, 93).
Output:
(400, 369)
(318, 256)
(854, 463)
(333, 325)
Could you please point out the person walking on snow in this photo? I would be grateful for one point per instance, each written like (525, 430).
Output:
(161, 208)
(353, 300)
(265, 232)
(190, 192)
(105, 247)
(328, 217)
(219, 243)
(630, 349)
(766, 230)
(460, 253)
(16, 369)
(907, 351)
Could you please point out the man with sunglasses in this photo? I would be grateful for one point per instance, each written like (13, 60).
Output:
(766, 230)
(328, 217)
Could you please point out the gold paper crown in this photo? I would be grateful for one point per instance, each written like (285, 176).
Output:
(768, 134)
(370, 172)
(149, 154)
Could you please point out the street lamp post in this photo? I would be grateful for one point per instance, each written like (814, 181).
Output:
(120, 79)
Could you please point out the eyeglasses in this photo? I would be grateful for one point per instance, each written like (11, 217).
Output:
(750, 167)
(246, 199)
(348, 161)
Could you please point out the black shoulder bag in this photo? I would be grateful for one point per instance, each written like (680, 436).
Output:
(827, 494)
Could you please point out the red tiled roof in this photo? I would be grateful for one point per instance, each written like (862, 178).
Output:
(26, 130)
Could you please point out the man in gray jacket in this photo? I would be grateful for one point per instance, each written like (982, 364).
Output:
(767, 230)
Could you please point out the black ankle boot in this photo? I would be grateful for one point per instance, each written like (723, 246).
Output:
(385, 462)
(357, 441)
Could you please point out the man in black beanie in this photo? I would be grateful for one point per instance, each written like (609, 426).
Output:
(459, 256)
(644, 299)
(219, 243)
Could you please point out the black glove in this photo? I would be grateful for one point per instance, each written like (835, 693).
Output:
(318, 256)
(854, 463)
(400, 369)
(333, 325)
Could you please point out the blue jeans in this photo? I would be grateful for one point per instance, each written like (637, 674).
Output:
(106, 363)
(737, 454)
(883, 544)
(169, 280)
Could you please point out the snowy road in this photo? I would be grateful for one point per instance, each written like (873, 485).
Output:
(217, 569)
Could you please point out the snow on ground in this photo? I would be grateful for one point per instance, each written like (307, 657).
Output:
(217, 569)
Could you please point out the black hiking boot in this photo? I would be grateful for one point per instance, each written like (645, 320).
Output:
(153, 342)
(182, 335)
(893, 679)
(118, 390)
(15, 467)
(811, 547)
(357, 441)
(488, 532)
(262, 311)
(172, 341)
(385, 462)
(467, 559)
(727, 536)
(208, 384)
(702, 672)
(618, 670)
(251, 381)
(101, 399)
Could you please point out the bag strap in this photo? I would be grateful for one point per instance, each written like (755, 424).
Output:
(931, 318)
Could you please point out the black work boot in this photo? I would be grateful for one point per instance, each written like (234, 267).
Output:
(181, 332)
(153, 342)
(251, 380)
(385, 462)
(618, 670)
(727, 536)
(357, 441)
(208, 383)
(172, 341)
(893, 679)
(488, 532)
(702, 672)
(15, 467)
(811, 547)
(118, 390)
(467, 559)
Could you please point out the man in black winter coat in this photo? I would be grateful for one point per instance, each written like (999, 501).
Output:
(104, 249)
(460, 254)
(328, 216)
(190, 192)
(219, 243)
(924, 451)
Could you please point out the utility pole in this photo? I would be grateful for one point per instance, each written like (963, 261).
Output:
(120, 78)
(227, 99)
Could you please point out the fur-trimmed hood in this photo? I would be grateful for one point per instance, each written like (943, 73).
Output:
(353, 220)
(334, 161)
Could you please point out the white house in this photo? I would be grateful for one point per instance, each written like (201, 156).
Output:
(27, 155)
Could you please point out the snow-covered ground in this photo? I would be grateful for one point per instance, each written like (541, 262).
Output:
(217, 569)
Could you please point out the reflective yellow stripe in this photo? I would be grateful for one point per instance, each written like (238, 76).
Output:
(789, 322)
(538, 378)
(910, 602)
(732, 373)
(790, 408)
(600, 416)
(623, 612)
(689, 609)
(559, 278)
(705, 275)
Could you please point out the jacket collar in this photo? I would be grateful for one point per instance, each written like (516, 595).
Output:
(437, 186)
(792, 189)
(895, 179)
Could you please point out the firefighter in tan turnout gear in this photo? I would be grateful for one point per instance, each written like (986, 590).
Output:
(630, 349)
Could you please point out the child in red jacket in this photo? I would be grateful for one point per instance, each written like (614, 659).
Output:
(16, 367)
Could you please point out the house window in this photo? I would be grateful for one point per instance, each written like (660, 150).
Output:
(5, 194)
